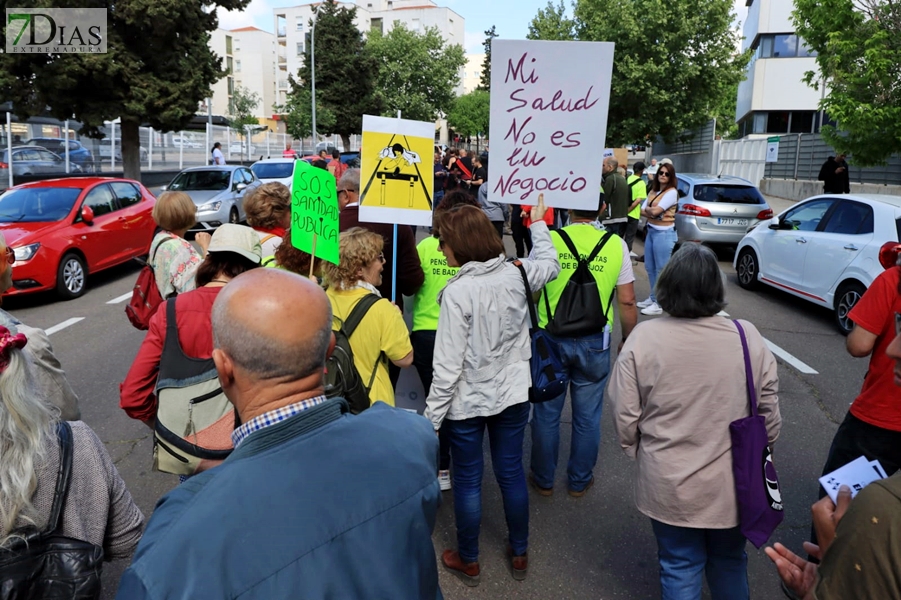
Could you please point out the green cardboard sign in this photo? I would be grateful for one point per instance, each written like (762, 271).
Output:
(314, 212)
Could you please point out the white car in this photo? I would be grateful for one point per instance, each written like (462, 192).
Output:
(824, 249)
(275, 169)
(186, 141)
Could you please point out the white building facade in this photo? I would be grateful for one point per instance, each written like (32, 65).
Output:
(292, 29)
(774, 99)
(249, 57)
(472, 72)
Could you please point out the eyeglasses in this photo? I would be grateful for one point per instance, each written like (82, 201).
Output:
(897, 324)
(342, 192)
(382, 257)
(10, 255)
(662, 173)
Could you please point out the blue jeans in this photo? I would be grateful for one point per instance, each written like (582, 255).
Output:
(588, 365)
(684, 552)
(505, 437)
(658, 247)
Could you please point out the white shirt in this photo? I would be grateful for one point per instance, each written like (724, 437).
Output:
(218, 157)
(670, 198)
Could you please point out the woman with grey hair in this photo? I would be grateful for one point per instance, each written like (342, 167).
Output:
(98, 508)
(676, 386)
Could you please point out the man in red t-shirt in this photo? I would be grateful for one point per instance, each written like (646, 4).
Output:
(872, 427)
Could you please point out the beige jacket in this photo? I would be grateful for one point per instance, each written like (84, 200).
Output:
(675, 387)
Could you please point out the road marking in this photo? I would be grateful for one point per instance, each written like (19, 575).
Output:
(63, 325)
(121, 298)
(800, 366)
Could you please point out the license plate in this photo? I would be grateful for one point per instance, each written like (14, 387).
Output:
(736, 222)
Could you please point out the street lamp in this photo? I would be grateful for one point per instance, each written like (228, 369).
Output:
(313, 70)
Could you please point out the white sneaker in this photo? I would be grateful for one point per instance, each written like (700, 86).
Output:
(644, 303)
(652, 309)
(444, 480)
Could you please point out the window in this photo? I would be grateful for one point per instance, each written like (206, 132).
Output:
(759, 125)
(228, 44)
(851, 218)
(777, 121)
(101, 200)
(731, 194)
(785, 46)
(237, 66)
(47, 156)
(807, 216)
(231, 86)
(299, 48)
(299, 25)
(802, 121)
(377, 25)
(23, 155)
(682, 188)
(280, 25)
(229, 65)
(127, 193)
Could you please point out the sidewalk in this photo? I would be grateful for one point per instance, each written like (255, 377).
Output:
(778, 204)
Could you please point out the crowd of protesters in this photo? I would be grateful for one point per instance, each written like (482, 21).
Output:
(286, 490)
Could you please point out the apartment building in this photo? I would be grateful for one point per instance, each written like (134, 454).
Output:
(774, 99)
(292, 28)
(472, 72)
(249, 57)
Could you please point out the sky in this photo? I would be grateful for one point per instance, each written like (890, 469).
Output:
(511, 17)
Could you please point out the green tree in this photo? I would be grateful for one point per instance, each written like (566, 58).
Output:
(241, 109)
(298, 115)
(858, 46)
(485, 82)
(675, 63)
(418, 73)
(551, 23)
(469, 114)
(157, 69)
(726, 127)
(345, 72)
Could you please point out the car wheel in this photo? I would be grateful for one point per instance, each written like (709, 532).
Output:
(748, 269)
(71, 278)
(847, 296)
(233, 216)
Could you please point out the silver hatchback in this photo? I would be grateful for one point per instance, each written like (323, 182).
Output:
(718, 210)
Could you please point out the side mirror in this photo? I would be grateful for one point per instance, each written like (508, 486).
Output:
(240, 187)
(87, 214)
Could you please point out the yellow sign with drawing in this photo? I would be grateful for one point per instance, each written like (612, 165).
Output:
(397, 174)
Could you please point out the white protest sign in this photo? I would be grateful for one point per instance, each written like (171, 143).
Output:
(549, 103)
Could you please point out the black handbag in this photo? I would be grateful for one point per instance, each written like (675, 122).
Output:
(549, 377)
(46, 565)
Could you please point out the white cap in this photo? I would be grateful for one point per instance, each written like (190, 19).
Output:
(239, 239)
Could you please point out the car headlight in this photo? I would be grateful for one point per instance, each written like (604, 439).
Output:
(26, 252)
(210, 206)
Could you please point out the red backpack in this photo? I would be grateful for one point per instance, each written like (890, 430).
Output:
(146, 297)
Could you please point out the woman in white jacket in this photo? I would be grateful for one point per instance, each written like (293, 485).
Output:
(481, 374)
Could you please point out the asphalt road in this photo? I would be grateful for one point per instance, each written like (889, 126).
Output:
(597, 546)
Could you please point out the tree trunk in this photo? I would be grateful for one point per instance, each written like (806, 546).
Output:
(345, 139)
(131, 149)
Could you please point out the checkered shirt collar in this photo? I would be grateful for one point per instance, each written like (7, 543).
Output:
(272, 417)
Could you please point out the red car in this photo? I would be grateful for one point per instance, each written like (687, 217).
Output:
(64, 229)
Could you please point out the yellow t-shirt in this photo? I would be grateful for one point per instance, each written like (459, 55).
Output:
(381, 330)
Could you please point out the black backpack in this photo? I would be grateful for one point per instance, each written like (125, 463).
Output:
(580, 311)
(46, 564)
(342, 380)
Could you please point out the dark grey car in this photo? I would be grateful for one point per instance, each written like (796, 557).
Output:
(218, 191)
(33, 160)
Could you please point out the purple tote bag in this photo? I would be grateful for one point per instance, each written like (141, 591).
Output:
(756, 484)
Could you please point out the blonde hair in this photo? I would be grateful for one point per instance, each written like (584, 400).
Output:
(26, 431)
(358, 247)
(267, 205)
(174, 211)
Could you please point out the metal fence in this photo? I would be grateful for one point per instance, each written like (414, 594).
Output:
(802, 155)
(159, 151)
